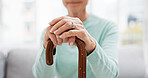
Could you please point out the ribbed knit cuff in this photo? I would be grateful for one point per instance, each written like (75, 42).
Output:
(93, 57)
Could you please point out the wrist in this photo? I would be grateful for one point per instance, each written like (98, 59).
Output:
(91, 46)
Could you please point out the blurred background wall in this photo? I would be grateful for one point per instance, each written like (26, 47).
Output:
(22, 21)
(146, 35)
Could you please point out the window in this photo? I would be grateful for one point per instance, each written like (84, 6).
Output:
(131, 21)
(17, 18)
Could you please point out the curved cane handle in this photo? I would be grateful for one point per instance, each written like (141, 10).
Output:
(49, 53)
(82, 56)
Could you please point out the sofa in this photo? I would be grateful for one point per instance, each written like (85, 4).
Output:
(2, 65)
(18, 63)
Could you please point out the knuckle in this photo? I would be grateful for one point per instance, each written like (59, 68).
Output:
(71, 32)
(53, 40)
(68, 24)
(64, 20)
(53, 20)
(59, 39)
(80, 22)
(83, 34)
(62, 17)
(77, 18)
(48, 28)
(59, 31)
(81, 27)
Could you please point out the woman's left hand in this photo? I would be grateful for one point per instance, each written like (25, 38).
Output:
(64, 23)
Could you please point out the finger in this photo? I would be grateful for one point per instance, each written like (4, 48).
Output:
(53, 39)
(58, 24)
(54, 21)
(65, 40)
(81, 34)
(63, 28)
(44, 44)
(46, 37)
(69, 33)
(71, 41)
(59, 40)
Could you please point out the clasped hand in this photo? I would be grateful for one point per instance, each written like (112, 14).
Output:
(60, 30)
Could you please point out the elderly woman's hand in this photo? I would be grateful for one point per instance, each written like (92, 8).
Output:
(62, 26)
(54, 38)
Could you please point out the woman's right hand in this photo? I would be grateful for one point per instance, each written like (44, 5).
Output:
(54, 38)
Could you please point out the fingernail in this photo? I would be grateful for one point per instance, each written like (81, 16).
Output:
(71, 44)
(60, 36)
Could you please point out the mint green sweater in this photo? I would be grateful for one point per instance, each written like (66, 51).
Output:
(101, 63)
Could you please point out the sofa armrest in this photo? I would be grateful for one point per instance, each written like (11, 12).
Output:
(2, 65)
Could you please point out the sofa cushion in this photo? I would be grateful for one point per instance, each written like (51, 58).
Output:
(2, 65)
(19, 63)
(131, 62)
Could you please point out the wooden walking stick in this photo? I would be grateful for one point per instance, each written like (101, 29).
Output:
(82, 56)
